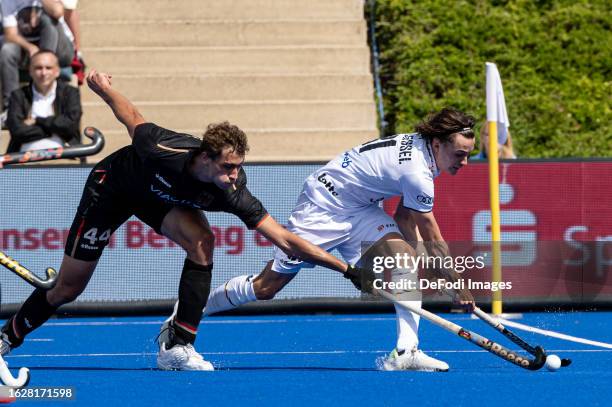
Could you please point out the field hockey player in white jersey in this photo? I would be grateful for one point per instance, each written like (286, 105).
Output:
(339, 209)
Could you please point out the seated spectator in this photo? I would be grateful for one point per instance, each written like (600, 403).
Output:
(29, 28)
(504, 150)
(45, 113)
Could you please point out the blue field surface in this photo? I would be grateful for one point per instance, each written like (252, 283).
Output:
(318, 360)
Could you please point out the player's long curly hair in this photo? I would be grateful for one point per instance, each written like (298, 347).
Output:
(443, 124)
(221, 135)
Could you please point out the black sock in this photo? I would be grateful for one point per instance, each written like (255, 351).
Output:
(34, 312)
(194, 288)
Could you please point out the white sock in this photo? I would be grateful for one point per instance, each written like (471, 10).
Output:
(407, 326)
(230, 295)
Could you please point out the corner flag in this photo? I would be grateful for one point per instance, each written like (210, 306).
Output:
(496, 105)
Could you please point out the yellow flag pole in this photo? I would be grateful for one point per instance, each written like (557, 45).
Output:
(495, 220)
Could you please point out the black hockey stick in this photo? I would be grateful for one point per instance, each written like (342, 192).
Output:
(511, 335)
(27, 275)
(80, 150)
(499, 350)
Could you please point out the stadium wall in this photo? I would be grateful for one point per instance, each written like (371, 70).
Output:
(556, 239)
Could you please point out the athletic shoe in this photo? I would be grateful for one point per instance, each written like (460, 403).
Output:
(5, 344)
(166, 332)
(413, 359)
(181, 357)
(178, 357)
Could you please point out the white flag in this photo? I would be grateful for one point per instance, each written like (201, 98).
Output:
(496, 105)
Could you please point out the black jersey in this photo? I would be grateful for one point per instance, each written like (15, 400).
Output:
(155, 168)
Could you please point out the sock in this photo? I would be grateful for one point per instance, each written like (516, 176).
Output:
(194, 288)
(34, 312)
(407, 327)
(230, 295)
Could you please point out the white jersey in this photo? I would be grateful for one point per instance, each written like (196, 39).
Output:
(380, 169)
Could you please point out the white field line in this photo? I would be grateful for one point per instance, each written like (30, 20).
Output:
(232, 321)
(326, 352)
(212, 321)
(554, 334)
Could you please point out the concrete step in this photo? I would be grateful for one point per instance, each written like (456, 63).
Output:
(252, 60)
(239, 87)
(222, 33)
(290, 145)
(247, 114)
(143, 10)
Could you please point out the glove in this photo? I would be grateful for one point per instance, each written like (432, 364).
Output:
(465, 299)
(362, 279)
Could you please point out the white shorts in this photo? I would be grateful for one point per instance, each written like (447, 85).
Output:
(332, 231)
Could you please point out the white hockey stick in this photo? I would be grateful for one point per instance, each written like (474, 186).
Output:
(7, 378)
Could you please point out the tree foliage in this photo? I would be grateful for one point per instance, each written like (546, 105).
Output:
(554, 58)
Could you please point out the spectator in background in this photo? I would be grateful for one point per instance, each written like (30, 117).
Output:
(72, 27)
(29, 26)
(45, 113)
(71, 16)
(504, 150)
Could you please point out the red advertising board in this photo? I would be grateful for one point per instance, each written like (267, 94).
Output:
(556, 226)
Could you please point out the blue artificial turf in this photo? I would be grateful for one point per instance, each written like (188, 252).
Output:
(312, 361)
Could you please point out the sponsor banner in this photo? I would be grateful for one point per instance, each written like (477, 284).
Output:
(556, 226)
(138, 264)
(565, 203)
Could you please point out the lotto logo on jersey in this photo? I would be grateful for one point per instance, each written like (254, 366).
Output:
(327, 184)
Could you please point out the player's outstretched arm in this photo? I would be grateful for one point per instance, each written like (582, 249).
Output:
(295, 246)
(124, 110)
(437, 247)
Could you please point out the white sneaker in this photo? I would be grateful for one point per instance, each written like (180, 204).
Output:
(181, 357)
(413, 359)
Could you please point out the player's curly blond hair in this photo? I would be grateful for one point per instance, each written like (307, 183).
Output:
(221, 135)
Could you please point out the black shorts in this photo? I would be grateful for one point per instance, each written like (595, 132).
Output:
(101, 211)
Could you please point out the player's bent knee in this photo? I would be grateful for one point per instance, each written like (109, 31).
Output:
(201, 248)
(266, 289)
(265, 293)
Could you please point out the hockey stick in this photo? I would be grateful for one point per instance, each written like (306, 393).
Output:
(27, 275)
(23, 378)
(509, 334)
(495, 348)
(81, 150)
